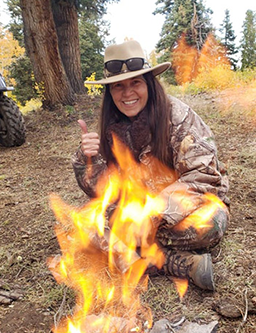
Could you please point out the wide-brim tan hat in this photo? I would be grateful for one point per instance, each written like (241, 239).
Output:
(127, 51)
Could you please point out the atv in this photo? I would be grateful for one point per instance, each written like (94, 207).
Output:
(12, 124)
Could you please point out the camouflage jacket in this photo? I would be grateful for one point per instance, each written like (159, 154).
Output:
(193, 158)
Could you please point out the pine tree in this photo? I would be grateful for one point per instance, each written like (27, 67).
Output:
(248, 41)
(16, 25)
(188, 18)
(91, 48)
(228, 39)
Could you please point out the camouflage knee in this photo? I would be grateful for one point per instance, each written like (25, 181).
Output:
(192, 239)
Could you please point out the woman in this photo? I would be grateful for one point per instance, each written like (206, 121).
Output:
(158, 127)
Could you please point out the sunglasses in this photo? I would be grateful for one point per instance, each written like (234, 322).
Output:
(133, 64)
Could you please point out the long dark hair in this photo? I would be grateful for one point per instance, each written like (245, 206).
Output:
(158, 108)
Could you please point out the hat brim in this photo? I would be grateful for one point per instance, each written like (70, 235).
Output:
(158, 69)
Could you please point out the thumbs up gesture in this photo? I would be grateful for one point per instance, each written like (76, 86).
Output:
(90, 141)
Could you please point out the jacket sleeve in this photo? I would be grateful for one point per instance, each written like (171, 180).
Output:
(195, 162)
(88, 171)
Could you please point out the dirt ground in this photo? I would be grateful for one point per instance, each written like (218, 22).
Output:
(41, 166)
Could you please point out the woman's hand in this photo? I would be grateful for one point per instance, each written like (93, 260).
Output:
(90, 141)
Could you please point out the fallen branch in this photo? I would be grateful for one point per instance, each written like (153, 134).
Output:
(245, 313)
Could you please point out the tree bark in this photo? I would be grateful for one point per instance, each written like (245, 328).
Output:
(42, 47)
(66, 22)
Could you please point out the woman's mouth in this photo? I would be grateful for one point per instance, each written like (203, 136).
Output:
(130, 102)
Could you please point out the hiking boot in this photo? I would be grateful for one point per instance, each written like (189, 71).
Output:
(197, 268)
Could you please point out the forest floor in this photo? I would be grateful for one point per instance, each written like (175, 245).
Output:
(41, 166)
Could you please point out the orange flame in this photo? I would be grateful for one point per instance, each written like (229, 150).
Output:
(184, 61)
(181, 286)
(188, 62)
(84, 234)
(200, 219)
(97, 246)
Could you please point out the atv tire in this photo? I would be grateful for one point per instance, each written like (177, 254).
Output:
(12, 124)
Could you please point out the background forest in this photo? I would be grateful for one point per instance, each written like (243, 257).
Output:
(204, 57)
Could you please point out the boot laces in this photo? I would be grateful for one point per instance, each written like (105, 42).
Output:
(180, 266)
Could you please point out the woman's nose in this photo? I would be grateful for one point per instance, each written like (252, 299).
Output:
(127, 89)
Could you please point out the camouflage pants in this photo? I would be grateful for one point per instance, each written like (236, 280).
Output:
(169, 238)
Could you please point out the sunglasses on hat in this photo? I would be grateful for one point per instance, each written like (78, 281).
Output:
(133, 64)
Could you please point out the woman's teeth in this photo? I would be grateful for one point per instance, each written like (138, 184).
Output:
(130, 102)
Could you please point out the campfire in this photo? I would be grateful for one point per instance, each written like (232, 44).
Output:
(99, 244)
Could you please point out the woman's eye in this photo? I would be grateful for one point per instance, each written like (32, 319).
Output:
(137, 82)
(116, 86)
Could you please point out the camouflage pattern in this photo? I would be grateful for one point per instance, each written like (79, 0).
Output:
(196, 171)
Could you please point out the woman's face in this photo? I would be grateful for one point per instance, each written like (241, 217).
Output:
(130, 96)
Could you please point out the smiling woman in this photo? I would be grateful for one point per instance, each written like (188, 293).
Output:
(130, 96)
(176, 153)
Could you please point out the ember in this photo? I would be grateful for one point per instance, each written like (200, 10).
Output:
(99, 242)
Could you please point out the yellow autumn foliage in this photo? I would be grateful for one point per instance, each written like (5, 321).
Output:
(216, 78)
(93, 89)
(9, 50)
(207, 69)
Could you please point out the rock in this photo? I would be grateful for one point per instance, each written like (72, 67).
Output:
(93, 324)
(161, 326)
(196, 328)
(5, 300)
(231, 307)
(164, 326)
(228, 307)
(6, 297)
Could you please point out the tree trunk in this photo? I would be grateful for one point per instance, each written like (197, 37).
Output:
(42, 47)
(66, 22)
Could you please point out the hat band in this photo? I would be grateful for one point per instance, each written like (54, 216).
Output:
(115, 67)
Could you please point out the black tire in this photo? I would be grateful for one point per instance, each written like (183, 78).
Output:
(12, 124)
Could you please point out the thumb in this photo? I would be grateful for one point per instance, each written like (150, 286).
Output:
(83, 126)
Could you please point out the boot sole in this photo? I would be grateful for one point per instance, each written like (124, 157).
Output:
(205, 273)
